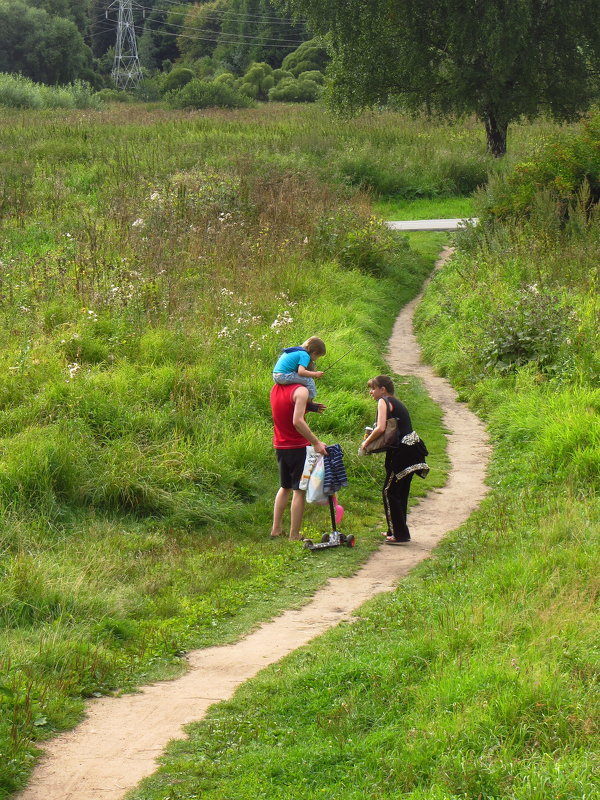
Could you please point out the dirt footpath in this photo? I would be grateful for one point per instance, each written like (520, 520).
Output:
(118, 742)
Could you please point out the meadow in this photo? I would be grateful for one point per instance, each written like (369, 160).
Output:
(478, 677)
(152, 265)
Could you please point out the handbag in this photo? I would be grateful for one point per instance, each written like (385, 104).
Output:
(388, 440)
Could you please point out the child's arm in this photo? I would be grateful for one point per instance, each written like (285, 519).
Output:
(307, 373)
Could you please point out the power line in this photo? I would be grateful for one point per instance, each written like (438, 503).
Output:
(222, 33)
(225, 12)
(218, 39)
(209, 30)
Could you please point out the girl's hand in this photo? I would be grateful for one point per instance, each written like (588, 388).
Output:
(319, 374)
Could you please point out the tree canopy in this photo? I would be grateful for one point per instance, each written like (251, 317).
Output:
(44, 48)
(499, 60)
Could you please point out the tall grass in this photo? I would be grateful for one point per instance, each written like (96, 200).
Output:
(152, 266)
(478, 676)
(16, 91)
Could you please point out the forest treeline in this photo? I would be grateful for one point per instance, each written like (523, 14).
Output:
(59, 41)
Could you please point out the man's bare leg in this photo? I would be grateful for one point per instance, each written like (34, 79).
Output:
(297, 512)
(281, 501)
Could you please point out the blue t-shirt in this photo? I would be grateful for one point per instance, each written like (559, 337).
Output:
(291, 359)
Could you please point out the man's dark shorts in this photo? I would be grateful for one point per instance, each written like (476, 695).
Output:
(291, 466)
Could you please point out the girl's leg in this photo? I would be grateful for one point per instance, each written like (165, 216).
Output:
(396, 498)
(389, 478)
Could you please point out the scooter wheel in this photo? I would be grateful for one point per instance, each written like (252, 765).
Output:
(325, 537)
(350, 541)
(308, 543)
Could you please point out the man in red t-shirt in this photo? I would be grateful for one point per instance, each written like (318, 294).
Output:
(291, 435)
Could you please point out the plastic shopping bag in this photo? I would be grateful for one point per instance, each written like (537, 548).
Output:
(314, 492)
(313, 476)
(311, 459)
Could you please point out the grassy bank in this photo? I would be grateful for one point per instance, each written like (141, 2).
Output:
(152, 266)
(478, 677)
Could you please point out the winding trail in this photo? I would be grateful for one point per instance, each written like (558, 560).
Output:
(118, 742)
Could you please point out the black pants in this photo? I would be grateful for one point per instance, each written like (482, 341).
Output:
(395, 503)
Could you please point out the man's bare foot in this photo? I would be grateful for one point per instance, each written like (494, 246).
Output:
(295, 537)
(275, 534)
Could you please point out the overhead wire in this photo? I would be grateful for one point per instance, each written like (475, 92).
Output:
(223, 12)
(218, 40)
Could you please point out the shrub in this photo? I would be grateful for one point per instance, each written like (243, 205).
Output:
(313, 75)
(310, 55)
(532, 328)
(561, 167)
(257, 81)
(228, 78)
(280, 74)
(177, 79)
(113, 96)
(19, 92)
(208, 94)
(292, 90)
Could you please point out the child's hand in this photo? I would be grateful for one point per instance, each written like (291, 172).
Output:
(319, 374)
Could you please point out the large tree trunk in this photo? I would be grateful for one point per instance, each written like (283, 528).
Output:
(496, 134)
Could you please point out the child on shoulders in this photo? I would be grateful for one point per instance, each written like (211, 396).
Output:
(295, 365)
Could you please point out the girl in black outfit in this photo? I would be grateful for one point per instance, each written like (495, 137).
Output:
(400, 462)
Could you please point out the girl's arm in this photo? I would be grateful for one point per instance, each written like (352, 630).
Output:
(382, 415)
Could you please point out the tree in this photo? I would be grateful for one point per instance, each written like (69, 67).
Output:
(158, 42)
(201, 28)
(77, 11)
(500, 60)
(44, 48)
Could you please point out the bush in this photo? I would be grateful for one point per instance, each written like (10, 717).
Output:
(113, 96)
(19, 92)
(313, 75)
(292, 90)
(310, 55)
(177, 79)
(208, 94)
(227, 78)
(257, 81)
(531, 329)
(563, 167)
(280, 74)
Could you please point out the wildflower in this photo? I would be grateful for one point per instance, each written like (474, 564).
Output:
(138, 223)
(224, 333)
(154, 196)
(73, 369)
(68, 235)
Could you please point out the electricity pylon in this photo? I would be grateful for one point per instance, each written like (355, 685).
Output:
(126, 69)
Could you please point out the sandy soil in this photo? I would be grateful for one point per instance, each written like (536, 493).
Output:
(118, 742)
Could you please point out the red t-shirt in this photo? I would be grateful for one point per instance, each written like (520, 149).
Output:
(285, 436)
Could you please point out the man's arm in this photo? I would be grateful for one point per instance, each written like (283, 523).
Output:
(300, 398)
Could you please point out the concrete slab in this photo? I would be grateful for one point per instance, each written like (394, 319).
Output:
(431, 224)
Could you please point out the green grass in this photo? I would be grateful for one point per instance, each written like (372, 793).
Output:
(477, 677)
(146, 293)
(474, 679)
(153, 265)
(425, 208)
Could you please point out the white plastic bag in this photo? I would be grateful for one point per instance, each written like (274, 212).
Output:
(313, 476)
(314, 492)
(309, 463)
